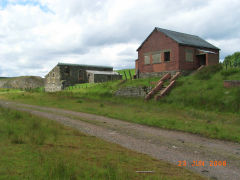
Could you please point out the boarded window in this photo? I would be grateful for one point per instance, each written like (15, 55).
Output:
(156, 58)
(189, 55)
(146, 60)
(167, 56)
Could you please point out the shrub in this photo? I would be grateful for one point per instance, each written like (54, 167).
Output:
(207, 72)
(229, 72)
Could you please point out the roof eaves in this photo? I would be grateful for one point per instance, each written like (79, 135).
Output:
(185, 44)
(85, 65)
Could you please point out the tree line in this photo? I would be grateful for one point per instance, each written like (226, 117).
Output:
(232, 60)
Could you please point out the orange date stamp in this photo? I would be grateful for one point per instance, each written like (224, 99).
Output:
(199, 163)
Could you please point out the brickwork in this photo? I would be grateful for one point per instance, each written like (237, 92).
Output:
(231, 83)
(159, 74)
(159, 42)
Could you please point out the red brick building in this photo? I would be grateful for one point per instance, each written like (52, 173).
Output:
(169, 51)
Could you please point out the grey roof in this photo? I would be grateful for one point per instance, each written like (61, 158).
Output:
(184, 39)
(85, 65)
(103, 72)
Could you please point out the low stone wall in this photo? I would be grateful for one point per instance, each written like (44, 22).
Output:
(231, 83)
(133, 91)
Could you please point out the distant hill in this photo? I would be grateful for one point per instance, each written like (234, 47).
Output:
(22, 82)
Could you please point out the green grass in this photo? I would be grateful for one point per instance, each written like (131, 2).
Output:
(205, 91)
(37, 148)
(198, 104)
(132, 72)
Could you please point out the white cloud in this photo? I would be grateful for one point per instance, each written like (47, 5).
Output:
(35, 35)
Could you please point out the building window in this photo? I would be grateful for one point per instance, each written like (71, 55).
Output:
(156, 58)
(67, 70)
(167, 56)
(189, 55)
(146, 60)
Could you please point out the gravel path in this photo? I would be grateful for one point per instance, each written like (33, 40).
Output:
(171, 146)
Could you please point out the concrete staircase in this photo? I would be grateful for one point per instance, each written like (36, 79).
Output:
(159, 90)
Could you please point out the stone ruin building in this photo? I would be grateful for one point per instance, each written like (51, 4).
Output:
(64, 75)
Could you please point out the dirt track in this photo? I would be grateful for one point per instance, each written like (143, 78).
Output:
(171, 146)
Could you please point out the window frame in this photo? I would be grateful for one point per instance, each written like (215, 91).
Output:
(148, 56)
(187, 50)
(164, 56)
(159, 53)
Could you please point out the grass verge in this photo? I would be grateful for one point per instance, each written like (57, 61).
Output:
(198, 104)
(37, 148)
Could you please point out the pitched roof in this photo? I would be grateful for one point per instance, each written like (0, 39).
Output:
(184, 39)
(84, 65)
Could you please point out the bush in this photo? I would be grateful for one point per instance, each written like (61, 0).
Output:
(229, 72)
(207, 72)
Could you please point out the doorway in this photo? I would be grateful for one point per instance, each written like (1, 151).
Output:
(81, 76)
(201, 59)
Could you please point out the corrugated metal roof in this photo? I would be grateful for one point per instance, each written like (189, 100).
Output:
(184, 39)
(103, 72)
(85, 65)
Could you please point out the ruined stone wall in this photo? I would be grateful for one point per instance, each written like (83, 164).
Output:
(53, 80)
(64, 75)
(90, 77)
(72, 75)
(231, 83)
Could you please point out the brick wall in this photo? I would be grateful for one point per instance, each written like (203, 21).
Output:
(158, 41)
(231, 83)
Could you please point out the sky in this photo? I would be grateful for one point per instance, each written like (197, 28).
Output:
(37, 34)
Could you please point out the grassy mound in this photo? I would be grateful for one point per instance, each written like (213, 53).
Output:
(22, 82)
(205, 90)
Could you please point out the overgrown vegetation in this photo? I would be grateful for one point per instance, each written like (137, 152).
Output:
(129, 73)
(205, 91)
(198, 104)
(232, 60)
(36, 148)
(207, 72)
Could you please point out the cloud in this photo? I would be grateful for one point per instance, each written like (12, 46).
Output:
(35, 35)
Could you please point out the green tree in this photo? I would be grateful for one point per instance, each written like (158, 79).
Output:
(233, 59)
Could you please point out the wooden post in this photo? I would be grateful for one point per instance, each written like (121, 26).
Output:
(125, 75)
(130, 74)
